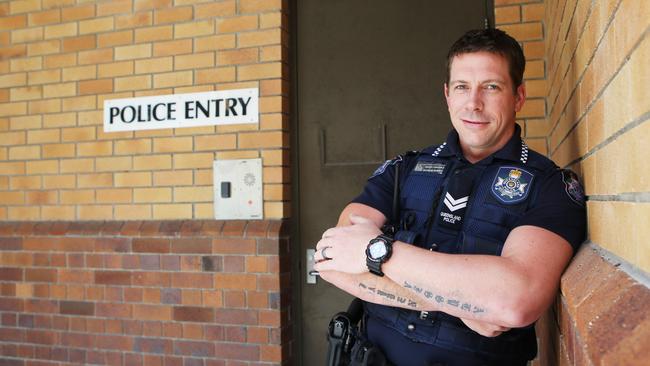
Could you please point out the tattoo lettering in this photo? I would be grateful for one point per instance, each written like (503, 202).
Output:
(478, 310)
(453, 302)
(428, 294)
(413, 304)
(407, 285)
(440, 299)
(417, 289)
(385, 294)
(466, 307)
(362, 285)
(401, 300)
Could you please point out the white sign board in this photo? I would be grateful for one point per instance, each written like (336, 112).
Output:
(225, 107)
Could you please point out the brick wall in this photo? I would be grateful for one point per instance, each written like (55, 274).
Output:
(59, 61)
(196, 292)
(89, 271)
(523, 20)
(596, 123)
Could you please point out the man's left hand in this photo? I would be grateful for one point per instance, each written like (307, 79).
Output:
(345, 246)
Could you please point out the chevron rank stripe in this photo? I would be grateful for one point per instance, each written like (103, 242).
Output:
(455, 204)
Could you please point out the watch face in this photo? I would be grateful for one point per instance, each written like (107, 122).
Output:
(377, 250)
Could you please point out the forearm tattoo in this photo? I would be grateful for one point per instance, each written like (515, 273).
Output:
(441, 300)
(389, 296)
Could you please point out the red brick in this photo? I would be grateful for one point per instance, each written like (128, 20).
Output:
(114, 342)
(257, 228)
(78, 340)
(268, 282)
(194, 348)
(633, 350)
(75, 260)
(257, 335)
(202, 245)
(258, 300)
(190, 263)
(234, 263)
(236, 334)
(171, 262)
(40, 337)
(268, 246)
(133, 294)
(192, 280)
(69, 244)
(40, 275)
(75, 276)
(152, 312)
(170, 228)
(151, 245)
(10, 304)
(235, 281)
(193, 314)
(77, 308)
(152, 279)
(113, 310)
(131, 228)
(270, 318)
(188, 228)
(234, 228)
(236, 316)
(271, 353)
(619, 321)
(233, 246)
(41, 306)
(119, 245)
(111, 228)
(235, 299)
(278, 229)
(586, 272)
(172, 330)
(212, 228)
(12, 335)
(113, 277)
(235, 351)
(11, 274)
(150, 228)
(152, 345)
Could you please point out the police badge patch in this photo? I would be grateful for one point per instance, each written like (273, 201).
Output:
(383, 166)
(573, 187)
(511, 184)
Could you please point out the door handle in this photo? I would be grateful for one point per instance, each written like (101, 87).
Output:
(311, 273)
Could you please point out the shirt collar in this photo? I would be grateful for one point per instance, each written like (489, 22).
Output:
(515, 149)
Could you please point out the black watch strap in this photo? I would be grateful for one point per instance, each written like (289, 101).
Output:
(374, 267)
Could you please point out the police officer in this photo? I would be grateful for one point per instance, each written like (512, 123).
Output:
(484, 229)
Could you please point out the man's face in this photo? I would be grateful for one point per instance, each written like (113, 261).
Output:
(481, 102)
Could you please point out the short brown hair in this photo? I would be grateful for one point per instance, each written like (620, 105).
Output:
(494, 41)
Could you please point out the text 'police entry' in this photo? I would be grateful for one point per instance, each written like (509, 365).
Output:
(182, 110)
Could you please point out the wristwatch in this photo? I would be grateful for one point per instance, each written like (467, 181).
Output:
(378, 252)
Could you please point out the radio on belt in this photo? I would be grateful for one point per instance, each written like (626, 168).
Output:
(238, 189)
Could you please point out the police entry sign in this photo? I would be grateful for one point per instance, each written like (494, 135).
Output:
(182, 110)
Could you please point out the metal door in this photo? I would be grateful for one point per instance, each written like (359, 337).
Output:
(369, 85)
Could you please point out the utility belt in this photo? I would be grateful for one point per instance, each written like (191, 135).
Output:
(446, 331)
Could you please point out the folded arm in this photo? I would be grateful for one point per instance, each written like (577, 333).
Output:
(490, 293)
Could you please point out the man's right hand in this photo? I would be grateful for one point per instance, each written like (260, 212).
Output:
(484, 328)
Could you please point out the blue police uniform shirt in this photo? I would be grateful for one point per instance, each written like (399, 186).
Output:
(450, 205)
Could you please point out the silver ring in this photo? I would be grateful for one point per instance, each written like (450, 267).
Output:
(322, 252)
